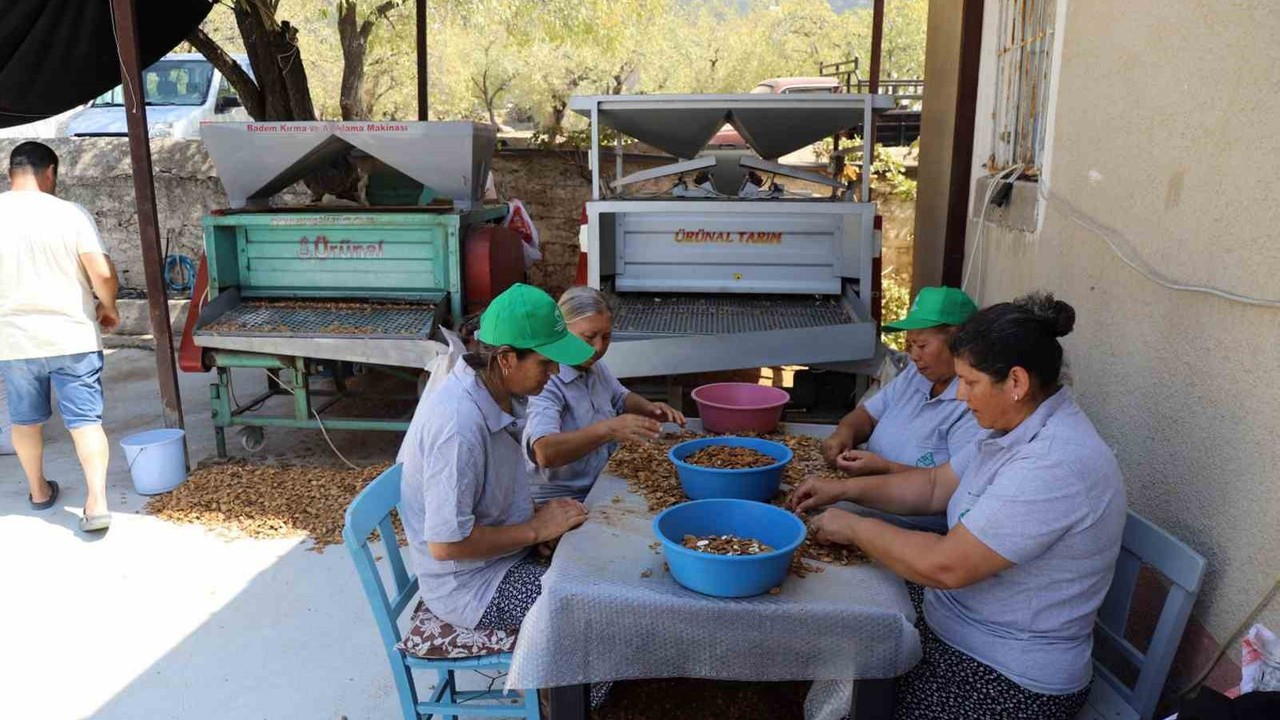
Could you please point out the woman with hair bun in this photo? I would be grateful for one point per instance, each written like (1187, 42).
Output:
(578, 420)
(1006, 600)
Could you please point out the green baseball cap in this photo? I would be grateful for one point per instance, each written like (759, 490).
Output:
(935, 307)
(526, 318)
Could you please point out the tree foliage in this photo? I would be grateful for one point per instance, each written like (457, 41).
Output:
(518, 61)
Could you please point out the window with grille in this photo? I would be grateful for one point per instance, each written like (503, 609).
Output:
(1023, 68)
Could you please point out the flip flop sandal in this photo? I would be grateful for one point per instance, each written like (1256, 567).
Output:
(95, 523)
(53, 498)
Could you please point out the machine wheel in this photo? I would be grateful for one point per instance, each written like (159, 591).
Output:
(253, 438)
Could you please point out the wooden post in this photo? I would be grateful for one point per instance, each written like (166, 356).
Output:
(125, 18)
(422, 60)
(957, 226)
(873, 84)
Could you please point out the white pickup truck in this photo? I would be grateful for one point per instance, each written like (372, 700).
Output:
(182, 91)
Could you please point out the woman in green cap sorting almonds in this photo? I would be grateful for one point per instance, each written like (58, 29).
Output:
(1006, 600)
(467, 512)
(915, 420)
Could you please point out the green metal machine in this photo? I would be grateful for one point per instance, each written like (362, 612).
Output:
(315, 296)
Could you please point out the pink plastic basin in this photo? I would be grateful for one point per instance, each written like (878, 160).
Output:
(740, 407)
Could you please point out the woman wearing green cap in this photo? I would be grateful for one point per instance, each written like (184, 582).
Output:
(915, 420)
(466, 507)
(1006, 600)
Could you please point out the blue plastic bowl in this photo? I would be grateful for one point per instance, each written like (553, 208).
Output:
(729, 575)
(702, 483)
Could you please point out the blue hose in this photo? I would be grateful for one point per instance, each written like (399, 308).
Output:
(188, 276)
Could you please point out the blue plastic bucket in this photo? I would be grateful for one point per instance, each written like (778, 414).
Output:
(157, 460)
(723, 575)
(702, 483)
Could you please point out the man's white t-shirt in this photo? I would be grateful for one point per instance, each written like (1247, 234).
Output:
(46, 301)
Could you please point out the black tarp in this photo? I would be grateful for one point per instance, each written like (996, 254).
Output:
(57, 54)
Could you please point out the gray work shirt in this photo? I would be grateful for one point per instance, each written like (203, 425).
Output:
(463, 467)
(915, 429)
(572, 400)
(1047, 496)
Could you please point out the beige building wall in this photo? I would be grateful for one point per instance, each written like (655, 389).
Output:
(1166, 139)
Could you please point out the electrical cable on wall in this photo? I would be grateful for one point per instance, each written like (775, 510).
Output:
(1138, 263)
(1006, 175)
(1113, 238)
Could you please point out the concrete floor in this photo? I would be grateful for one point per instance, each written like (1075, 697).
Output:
(155, 620)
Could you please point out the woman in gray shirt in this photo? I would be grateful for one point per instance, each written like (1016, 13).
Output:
(1035, 514)
(465, 498)
(579, 418)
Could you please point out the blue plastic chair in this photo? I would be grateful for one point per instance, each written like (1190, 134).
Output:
(1144, 544)
(371, 510)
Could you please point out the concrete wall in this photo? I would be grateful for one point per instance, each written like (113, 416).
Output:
(1164, 139)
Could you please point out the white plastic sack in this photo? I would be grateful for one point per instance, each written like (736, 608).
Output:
(828, 700)
(894, 363)
(6, 444)
(521, 222)
(1259, 664)
(1260, 661)
(447, 356)
(442, 364)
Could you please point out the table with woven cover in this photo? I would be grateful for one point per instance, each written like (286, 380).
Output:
(610, 611)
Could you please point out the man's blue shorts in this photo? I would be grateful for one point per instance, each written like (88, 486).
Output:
(77, 380)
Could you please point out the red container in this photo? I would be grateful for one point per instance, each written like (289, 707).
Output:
(740, 407)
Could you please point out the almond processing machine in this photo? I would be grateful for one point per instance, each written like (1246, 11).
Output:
(312, 294)
(726, 273)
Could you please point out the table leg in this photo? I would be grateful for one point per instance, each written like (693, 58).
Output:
(569, 702)
(872, 700)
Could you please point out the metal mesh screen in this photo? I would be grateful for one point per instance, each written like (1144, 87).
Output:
(325, 318)
(713, 314)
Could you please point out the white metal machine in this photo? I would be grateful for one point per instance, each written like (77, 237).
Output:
(727, 273)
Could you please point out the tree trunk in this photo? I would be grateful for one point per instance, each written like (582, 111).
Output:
(558, 109)
(354, 48)
(279, 89)
(245, 87)
(489, 98)
(354, 36)
(277, 64)
(486, 96)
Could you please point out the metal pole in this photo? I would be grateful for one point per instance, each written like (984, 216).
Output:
(617, 157)
(422, 60)
(594, 155)
(126, 25)
(877, 40)
(868, 125)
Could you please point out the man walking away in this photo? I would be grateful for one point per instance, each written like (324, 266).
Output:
(52, 264)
